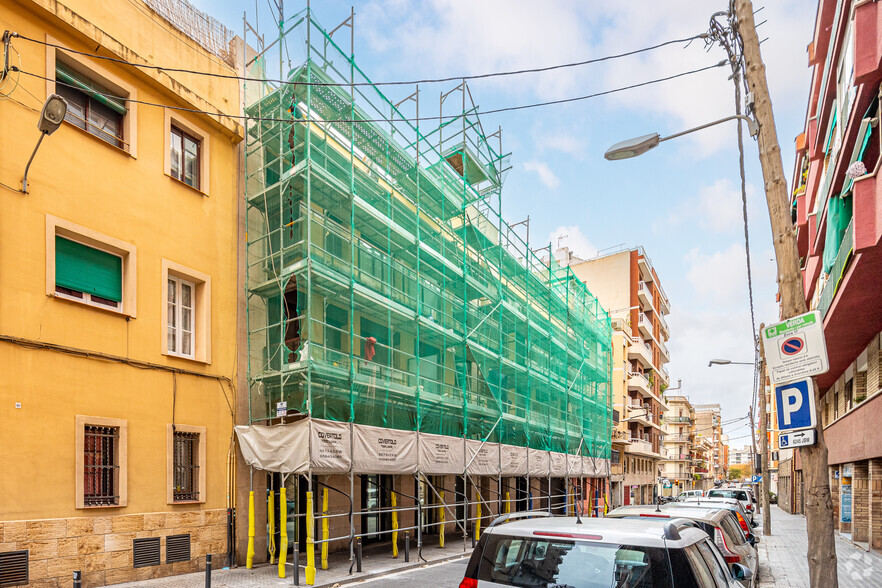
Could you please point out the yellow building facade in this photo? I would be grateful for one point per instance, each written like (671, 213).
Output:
(118, 295)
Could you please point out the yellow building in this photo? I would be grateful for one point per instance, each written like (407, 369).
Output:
(118, 296)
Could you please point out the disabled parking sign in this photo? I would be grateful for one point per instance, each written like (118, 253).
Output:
(796, 348)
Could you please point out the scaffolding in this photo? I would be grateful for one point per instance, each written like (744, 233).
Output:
(384, 288)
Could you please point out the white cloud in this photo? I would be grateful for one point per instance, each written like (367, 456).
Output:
(717, 208)
(546, 176)
(572, 237)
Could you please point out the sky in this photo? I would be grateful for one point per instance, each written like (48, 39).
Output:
(680, 201)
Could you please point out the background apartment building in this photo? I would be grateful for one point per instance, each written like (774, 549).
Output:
(626, 283)
(837, 204)
(118, 306)
(678, 465)
(708, 429)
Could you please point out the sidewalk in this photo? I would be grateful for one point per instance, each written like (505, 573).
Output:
(377, 560)
(783, 562)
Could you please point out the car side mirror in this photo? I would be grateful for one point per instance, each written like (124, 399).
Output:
(740, 572)
(754, 524)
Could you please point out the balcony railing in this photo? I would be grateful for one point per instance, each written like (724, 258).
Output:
(678, 419)
(664, 349)
(643, 323)
(842, 257)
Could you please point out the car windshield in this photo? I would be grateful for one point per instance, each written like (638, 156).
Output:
(543, 563)
(739, 494)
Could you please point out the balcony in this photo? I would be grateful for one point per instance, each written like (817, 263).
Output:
(644, 324)
(678, 439)
(664, 354)
(678, 419)
(638, 383)
(665, 375)
(644, 294)
(641, 352)
(846, 248)
(663, 324)
(641, 447)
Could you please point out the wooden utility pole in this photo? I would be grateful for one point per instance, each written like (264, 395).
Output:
(764, 441)
(818, 505)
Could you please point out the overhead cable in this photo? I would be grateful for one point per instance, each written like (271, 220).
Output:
(391, 83)
(387, 120)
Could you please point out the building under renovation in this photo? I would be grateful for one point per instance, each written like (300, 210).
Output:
(412, 364)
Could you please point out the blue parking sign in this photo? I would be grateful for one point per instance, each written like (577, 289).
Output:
(796, 405)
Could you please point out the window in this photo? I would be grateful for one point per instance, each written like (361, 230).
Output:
(101, 462)
(180, 317)
(88, 274)
(185, 157)
(87, 267)
(186, 312)
(186, 152)
(186, 466)
(185, 447)
(91, 106)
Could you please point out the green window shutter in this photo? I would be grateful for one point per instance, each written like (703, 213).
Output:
(86, 269)
(101, 94)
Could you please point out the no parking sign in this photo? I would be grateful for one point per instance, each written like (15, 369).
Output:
(796, 348)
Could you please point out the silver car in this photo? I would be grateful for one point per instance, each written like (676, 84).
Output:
(718, 522)
(567, 552)
(732, 504)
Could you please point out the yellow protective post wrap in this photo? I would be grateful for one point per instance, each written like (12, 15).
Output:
(507, 502)
(283, 529)
(271, 521)
(443, 513)
(478, 522)
(249, 557)
(310, 541)
(394, 526)
(325, 528)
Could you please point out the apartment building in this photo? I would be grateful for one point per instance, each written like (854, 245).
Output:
(118, 297)
(405, 344)
(626, 283)
(708, 425)
(678, 465)
(837, 203)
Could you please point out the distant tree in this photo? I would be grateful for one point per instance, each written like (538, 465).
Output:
(737, 472)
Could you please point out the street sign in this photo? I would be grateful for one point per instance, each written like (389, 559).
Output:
(796, 348)
(796, 405)
(796, 439)
(756, 479)
(281, 409)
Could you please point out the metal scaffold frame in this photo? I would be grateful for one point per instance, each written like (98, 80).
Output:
(384, 288)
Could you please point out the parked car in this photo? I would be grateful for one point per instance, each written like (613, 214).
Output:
(742, 495)
(732, 504)
(719, 523)
(565, 552)
(689, 494)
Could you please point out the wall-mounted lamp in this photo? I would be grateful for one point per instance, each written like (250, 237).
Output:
(51, 117)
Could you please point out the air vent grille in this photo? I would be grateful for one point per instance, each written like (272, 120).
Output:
(146, 552)
(177, 548)
(14, 568)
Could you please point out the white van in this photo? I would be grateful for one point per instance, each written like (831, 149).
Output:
(689, 494)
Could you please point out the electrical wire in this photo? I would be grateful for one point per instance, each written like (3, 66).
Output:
(392, 83)
(387, 120)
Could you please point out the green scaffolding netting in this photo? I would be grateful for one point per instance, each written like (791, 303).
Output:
(384, 287)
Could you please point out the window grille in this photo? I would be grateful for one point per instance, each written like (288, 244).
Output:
(100, 466)
(186, 466)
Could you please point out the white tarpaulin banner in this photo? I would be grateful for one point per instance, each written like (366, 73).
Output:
(589, 467)
(482, 460)
(574, 466)
(383, 451)
(277, 448)
(539, 463)
(513, 460)
(440, 454)
(330, 447)
(602, 467)
(558, 464)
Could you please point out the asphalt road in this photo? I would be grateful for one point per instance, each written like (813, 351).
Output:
(446, 575)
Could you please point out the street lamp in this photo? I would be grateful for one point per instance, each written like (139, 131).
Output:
(728, 362)
(54, 110)
(640, 145)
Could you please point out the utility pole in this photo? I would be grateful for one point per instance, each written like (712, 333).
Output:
(753, 441)
(818, 505)
(764, 440)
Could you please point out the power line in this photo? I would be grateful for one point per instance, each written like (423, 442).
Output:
(392, 83)
(385, 120)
